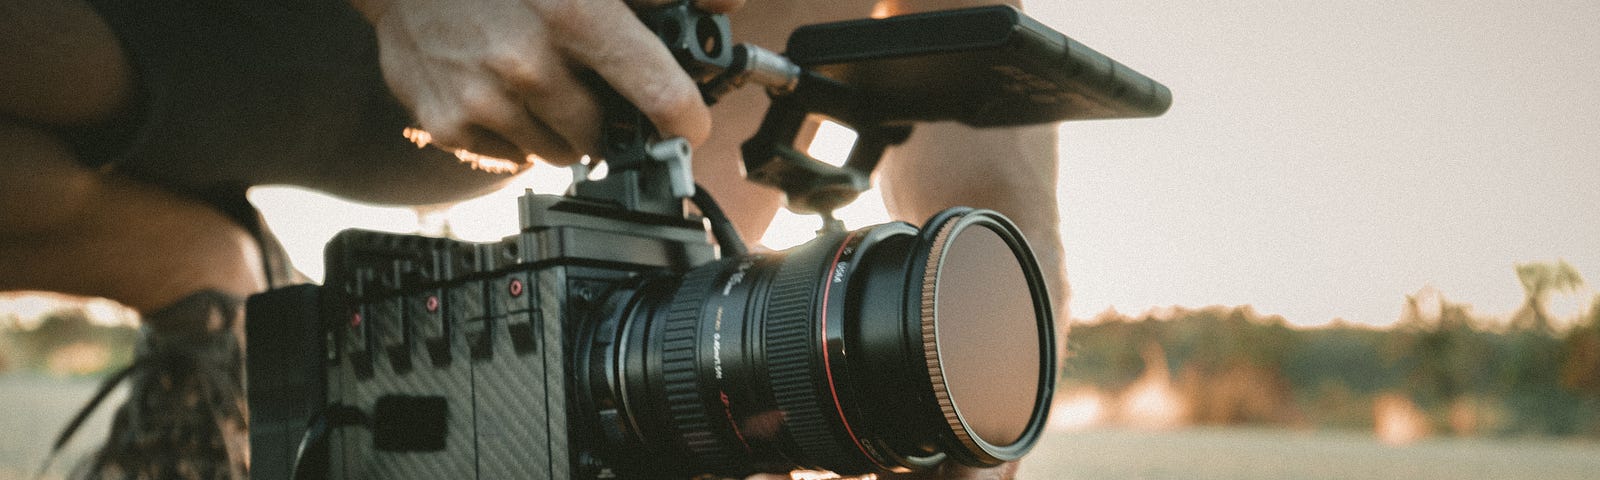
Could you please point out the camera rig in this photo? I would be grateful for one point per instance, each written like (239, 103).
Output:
(594, 342)
(984, 67)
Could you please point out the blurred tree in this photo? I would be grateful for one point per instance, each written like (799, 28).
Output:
(1580, 368)
(1531, 371)
(1234, 365)
(1539, 280)
(1342, 356)
(1443, 354)
(1216, 337)
(6, 350)
(65, 332)
(1105, 353)
(1230, 364)
(58, 329)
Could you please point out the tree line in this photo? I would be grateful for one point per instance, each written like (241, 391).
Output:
(1468, 373)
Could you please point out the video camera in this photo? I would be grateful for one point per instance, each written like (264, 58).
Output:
(609, 338)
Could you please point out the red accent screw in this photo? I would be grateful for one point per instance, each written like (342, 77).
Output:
(433, 303)
(516, 287)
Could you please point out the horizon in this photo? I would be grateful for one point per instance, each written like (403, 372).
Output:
(25, 310)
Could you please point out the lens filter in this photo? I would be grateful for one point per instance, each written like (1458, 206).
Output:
(986, 334)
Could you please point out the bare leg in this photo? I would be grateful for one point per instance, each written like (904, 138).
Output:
(69, 229)
(183, 265)
(64, 227)
(59, 63)
(1011, 171)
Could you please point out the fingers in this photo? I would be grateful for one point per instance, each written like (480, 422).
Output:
(488, 121)
(556, 99)
(506, 118)
(486, 143)
(502, 80)
(636, 64)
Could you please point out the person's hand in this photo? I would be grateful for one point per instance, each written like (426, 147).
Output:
(947, 471)
(500, 78)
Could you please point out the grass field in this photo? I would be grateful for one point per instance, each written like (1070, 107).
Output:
(32, 411)
(1248, 454)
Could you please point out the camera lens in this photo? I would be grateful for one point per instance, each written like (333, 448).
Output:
(886, 349)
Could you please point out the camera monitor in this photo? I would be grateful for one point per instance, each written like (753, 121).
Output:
(989, 66)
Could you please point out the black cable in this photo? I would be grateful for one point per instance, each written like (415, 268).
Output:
(721, 228)
(315, 439)
(106, 387)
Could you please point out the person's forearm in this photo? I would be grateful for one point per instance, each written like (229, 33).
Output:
(1009, 170)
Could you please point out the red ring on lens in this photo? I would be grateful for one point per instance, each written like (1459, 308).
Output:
(827, 365)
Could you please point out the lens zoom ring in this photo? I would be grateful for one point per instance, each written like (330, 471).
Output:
(678, 369)
(792, 356)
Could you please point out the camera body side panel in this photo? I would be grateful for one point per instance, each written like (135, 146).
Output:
(428, 358)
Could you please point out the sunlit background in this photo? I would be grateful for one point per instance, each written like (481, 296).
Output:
(1415, 179)
(1319, 161)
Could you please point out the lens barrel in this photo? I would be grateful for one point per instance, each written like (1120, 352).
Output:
(886, 349)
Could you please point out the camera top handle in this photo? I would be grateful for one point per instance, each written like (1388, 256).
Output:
(984, 67)
(653, 176)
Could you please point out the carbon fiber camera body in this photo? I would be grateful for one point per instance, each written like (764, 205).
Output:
(425, 358)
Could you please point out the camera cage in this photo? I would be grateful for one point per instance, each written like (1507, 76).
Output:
(984, 67)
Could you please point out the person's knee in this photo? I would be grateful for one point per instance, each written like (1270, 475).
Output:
(66, 228)
(42, 188)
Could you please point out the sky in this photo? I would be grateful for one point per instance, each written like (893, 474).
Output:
(1321, 160)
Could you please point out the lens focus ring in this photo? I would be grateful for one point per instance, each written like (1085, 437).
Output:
(678, 369)
(792, 356)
